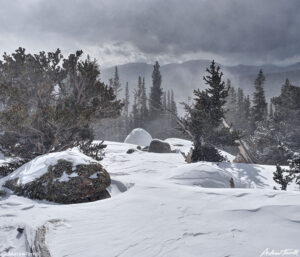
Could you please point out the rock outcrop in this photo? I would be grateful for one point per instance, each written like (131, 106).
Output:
(65, 183)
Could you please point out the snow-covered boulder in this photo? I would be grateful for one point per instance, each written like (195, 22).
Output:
(158, 146)
(204, 174)
(63, 177)
(139, 136)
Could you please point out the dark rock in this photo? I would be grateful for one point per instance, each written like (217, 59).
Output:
(158, 146)
(139, 148)
(20, 230)
(129, 151)
(2, 193)
(62, 184)
(231, 182)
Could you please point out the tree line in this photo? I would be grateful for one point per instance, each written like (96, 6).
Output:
(154, 109)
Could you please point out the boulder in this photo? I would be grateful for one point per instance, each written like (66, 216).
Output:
(65, 181)
(139, 136)
(158, 146)
(131, 150)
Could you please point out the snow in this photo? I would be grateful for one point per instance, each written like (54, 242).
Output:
(204, 174)
(153, 211)
(94, 175)
(139, 136)
(39, 166)
(66, 177)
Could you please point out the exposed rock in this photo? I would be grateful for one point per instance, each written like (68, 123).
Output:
(2, 193)
(158, 146)
(20, 230)
(139, 147)
(138, 136)
(129, 151)
(63, 183)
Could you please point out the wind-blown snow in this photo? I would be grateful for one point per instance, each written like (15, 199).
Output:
(205, 175)
(39, 166)
(139, 136)
(152, 214)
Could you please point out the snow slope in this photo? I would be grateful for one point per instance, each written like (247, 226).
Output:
(153, 214)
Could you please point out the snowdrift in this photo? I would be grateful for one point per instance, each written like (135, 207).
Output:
(167, 193)
(204, 174)
(39, 166)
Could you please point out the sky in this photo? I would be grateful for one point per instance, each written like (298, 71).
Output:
(121, 31)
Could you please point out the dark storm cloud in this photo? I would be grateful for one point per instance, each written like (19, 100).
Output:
(237, 30)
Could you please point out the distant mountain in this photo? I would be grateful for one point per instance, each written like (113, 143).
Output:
(184, 77)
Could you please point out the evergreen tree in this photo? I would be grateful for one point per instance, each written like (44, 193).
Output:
(276, 139)
(204, 118)
(231, 104)
(282, 177)
(165, 107)
(169, 100)
(247, 106)
(50, 102)
(259, 109)
(240, 117)
(116, 85)
(173, 106)
(287, 115)
(135, 117)
(144, 109)
(271, 113)
(155, 103)
(126, 101)
(140, 109)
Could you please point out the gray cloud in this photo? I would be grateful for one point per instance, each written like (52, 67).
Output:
(244, 31)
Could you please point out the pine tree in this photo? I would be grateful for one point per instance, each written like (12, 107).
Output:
(247, 114)
(126, 101)
(140, 111)
(275, 139)
(50, 102)
(287, 115)
(173, 106)
(169, 100)
(135, 117)
(247, 105)
(282, 177)
(231, 104)
(259, 109)
(144, 109)
(240, 117)
(271, 113)
(165, 107)
(204, 118)
(116, 85)
(155, 103)
(217, 93)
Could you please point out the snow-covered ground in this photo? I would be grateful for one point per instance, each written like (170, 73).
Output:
(161, 206)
